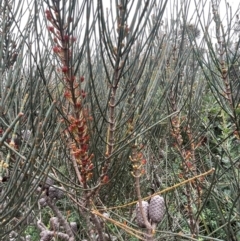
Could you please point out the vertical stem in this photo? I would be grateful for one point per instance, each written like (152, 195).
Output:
(111, 127)
(137, 174)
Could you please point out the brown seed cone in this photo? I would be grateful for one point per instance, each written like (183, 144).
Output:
(54, 224)
(156, 209)
(140, 220)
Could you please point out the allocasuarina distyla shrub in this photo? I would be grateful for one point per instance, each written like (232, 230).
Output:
(105, 107)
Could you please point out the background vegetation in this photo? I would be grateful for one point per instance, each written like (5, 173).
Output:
(103, 104)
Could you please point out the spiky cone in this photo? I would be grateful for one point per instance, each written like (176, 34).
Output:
(139, 217)
(156, 209)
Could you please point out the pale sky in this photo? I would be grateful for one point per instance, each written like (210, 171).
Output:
(192, 14)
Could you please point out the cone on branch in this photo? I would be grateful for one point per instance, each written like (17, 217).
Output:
(156, 209)
(55, 192)
(139, 217)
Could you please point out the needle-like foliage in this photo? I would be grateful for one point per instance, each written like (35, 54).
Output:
(106, 103)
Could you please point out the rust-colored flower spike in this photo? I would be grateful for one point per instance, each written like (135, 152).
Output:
(65, 69)
(77, 127)
(51, 29)
(105, 179)
(56, 49)
(176, 132)
(138, 163)
(82, 78)
(48, 14)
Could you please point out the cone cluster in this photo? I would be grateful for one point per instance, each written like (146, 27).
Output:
(154, 211)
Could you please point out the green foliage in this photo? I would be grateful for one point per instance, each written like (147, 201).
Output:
(33, 232)
(93, 93)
